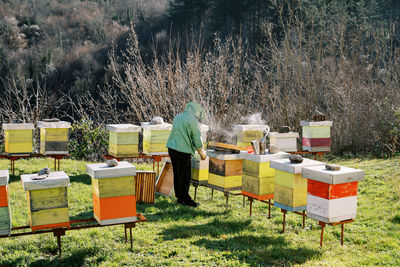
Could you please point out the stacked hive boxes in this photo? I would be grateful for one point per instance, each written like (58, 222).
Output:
(332, 195)
(114, 199)
(18, 138)
(290, 186)
(155, 138)
(54, 137)
(316, 135)
(258, 177)
(225, 171)
(247, 133)
(286, 142)
(5, 212)
(124, 140)
(200, 169)
(47, 200)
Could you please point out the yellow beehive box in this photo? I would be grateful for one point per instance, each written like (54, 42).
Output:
(225, 171)
(247, 133)
(54, 137)
(290, 192)
(155, 138)
(200, 168)
(47, 200)
(18, 138)
(124, 140)
(5, 212)
(114, 196)
(286, 142)
(258, 176)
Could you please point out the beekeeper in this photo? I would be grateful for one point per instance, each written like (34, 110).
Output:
(183, 142)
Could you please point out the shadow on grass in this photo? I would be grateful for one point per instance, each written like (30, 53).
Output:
(260, 250)
(81, 178)
(215, 228)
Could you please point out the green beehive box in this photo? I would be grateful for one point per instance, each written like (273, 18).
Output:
(155, 138)
(124, 140)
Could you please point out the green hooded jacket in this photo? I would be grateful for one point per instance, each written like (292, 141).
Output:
(185, 135)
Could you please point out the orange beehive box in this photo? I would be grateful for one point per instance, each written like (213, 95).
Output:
(114, 196)
(5, 215)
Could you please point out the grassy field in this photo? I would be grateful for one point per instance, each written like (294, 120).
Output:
(209, 235)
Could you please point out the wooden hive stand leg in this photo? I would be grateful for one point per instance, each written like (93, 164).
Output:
(251, 205)
(322, 224)
(283, 222)
(304, 218)
(269, 208)
(341, 237)
(227, 199)
(195, 190)
(58, 233)
(244, 201)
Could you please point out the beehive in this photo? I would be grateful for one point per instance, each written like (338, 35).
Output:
(316, 135)
(286, 142)
(124, 140)
(225, 171)
(332, 195)
(247, 133)
(18, 138)
(200, 168)
(54, 137)
(204, 131)
(114, 198)
(258, 176)
(290, 192)
(155, 138)
(47, 200)
(5, 212)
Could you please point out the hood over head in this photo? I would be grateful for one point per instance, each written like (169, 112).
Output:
(196, 110)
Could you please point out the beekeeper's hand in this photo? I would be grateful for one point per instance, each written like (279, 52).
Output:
(201, 153)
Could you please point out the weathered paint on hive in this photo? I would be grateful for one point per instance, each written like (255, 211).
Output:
(258, 186)
(329, 191)
(123, 150)
(131, 138)
(286, 142)
(114, 207)
(344, 175)
(155, 136)
(333, 210)
(47, 199)
(18, 141)
(154, 147)
(199, 175)
(54, 180)
(49, 216)
(114, 187)
(290, 197)
(225, 181)
(290, 180)
(5, 221)
(256, 169)
(4, 197)
(316, 132)
(316, 142)
(225, 167)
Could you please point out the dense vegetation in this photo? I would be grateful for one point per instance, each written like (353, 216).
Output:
(84, 60)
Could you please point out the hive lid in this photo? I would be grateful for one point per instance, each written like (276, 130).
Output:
(54, 180)
(204, 127)
(295, 168)
(159, 127)
(18, 126)
(249, 127)
(344, 175)
(100, 170)
(284, 135)
(54, 125)
(222, 156)
(264, 158)
(316, 123)
(4, 177)
(123, 128)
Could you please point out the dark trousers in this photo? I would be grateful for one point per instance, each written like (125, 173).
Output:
(181, 166)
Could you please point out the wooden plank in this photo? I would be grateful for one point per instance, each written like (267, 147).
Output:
(49, 216)
(47, 198)
(114, 207)
(225, 181)
(131, 138)
(165, 182)
(290, 180)
(344, 208)
(258, 197)
(330, 191)
(50, 226)
(257, 169)
(290, 197)
(114, 187)
(145, 186)
(212, 144)
(4, 197)
(199, 175)
(258, 186)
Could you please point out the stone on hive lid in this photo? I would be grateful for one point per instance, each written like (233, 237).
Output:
(295, 158)
(100, 170)
(344, 175)
(123, 128)
(54, 125)
(18, 126)
(4, 177)
(54, 180)
(263, 158)
(295, 168)
(156, 120)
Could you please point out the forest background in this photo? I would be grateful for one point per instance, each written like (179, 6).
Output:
(126, 61)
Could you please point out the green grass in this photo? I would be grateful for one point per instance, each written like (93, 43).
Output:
(209, 235)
